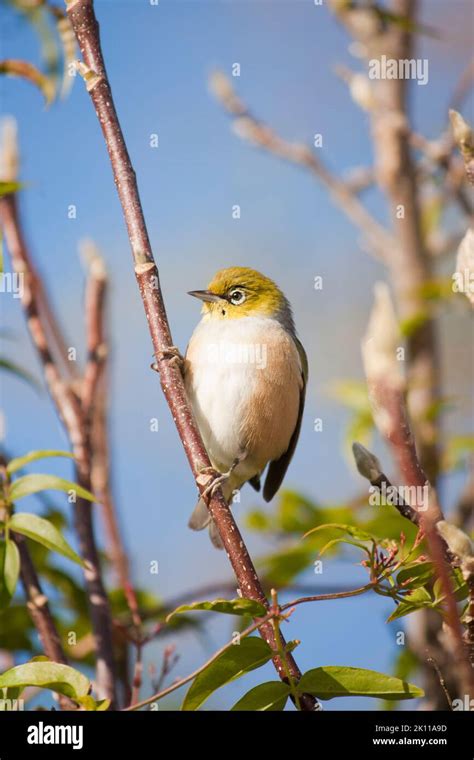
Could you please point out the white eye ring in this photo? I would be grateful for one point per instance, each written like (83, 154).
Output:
(237, 297)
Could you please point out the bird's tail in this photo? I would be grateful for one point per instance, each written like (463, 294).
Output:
(201, 518)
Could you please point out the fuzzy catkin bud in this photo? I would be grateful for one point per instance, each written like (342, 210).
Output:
(458, 542)
(465, 265)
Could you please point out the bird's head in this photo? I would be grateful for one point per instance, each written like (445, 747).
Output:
(242, 292)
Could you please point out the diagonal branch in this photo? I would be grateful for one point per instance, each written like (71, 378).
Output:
(38, 607)
(96, 289)
(94, 401)
(82, 17)
(248, 127)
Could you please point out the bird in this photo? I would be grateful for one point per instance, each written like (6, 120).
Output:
(245, 373)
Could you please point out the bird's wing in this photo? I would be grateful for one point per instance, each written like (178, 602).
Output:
(255, 482)
(277, 469)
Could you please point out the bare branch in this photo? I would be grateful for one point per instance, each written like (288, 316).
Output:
(38, 607)
(96, 287)
(248, 127)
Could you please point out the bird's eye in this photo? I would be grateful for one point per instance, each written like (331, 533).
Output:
(237, 297)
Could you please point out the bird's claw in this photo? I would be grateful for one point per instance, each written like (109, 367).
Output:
(217, 481)
(204, 473)
(217, 478)
(171, 354)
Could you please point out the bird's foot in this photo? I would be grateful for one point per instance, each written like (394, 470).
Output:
(208, 476)
(216, 482)
(170, 354)
(217, 478)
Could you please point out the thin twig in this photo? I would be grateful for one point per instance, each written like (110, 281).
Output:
(96, 288)
(170, 658)
(203, 592)
(275, 611)
(195, 673)
(441, 680)
(328, 597)
(38, 607)
(137, 674)
(94, 407)
(248, 127)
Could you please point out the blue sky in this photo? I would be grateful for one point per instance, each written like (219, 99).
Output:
(158, 60)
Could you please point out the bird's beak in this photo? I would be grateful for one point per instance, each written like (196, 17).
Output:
(205, 295)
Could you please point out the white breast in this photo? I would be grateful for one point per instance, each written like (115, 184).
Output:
(242, 375)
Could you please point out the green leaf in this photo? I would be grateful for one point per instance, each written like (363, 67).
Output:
(32, 456)
(102, 705)
(44, 532)
(251, 653)
(257, 520)
(92, 705)
(30, 484)
(294, 513)
(47, 675)
(419, 572)
(9, 571)
(228, 606)
(17, 631)
(415, 600)
(335, 541)
(460, 589)
(352, 530)
(268, 696)
(15, 369)
(405, 664)
(339, 681)
(284, 566)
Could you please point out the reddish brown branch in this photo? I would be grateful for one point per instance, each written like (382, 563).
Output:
(38, 607)
(96, 287)
(94, 405)
(84, 23)
(386, 385)
(71, 413)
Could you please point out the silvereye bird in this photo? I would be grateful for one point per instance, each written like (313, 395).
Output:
(245, 373)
